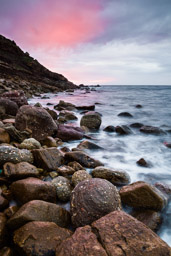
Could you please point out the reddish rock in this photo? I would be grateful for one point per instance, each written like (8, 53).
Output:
(8, 107)
(122, 235)
(16, 96)
(79, 176)
(38, 120)
(92, 199)
(33, 189)
(83, 242)
(67, 132)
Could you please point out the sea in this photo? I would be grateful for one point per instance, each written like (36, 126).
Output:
(122, 152)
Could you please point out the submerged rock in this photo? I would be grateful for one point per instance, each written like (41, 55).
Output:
(125, 114)
(123, 130)
(91, 120)
(151, 130)
(142, 162)
(88, 107)
(85, 144)
(92, 199)
(109, 128)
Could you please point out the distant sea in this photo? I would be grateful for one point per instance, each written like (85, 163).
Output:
(122, 152)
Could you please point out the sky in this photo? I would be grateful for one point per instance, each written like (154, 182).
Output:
(112, 42)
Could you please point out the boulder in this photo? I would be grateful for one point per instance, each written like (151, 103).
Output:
(63, 188)
(14, 155)
(92, 199)
(83, 242)
(138, 106)
(116, 177)
(49, 141)
(30, 143)
(123, 130)
(3, 230)
(121, 235)
(109, 128)
(38, 120)
(67, 115)
(82, 158)
(151, 130)
(142, 162)
(16, 96)
(4, 136)
(136, 125)
(8, 107)
(91, 120)
(33, 189)
(52, 113)
(80, 176)
(39, 238)
(76, 166)
(37, 210)
(85, 144)
(65, 170)
(49, 159)
(64, 105)
(125, 114)
(143, 195)
(68, 133)
(20, 170)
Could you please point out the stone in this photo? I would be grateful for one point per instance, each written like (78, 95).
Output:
(88, 107)
(3, 203)
(49, 141)
(91, 120)
(91, 199)
(143, 195)
(9, 121)
(122, 235)
(150, 218)
(9, 107)
(67, 115)
(16, 135)
(20, 170)
(4, 136)
(11, 210)
(116, 177)
(62, 105)
(167, 144)
(16, 96)
(68, 133)
(109, 128)
(30, 144)
(82, 158)
(39, 238)
(38, 210)
(65, 170)
(3, 230)
(138, 106)
(38, 120)
(136, 125)
(33, 189)
(52, 113)
(142, 162)
(83, 242)
(125, 114)
(49, 159)
(14, 155)
(76, 166)
(151, 130)
(123, 130)
(85, 144)
(164, 188)
(79, 176)
(63, 188)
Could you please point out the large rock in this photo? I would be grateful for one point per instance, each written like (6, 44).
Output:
(16, 96)
(49, 159)
(83, 159)
(122, 235)
(33, 189)
(91, 120)
(142, 195)
(63, 188)
(20, 170)
(8, 107)
(67, 132)
(14, 155)
(39, 238)
(64, 105)
(151, 130)
(83, 242)
(116, 177)
(37, 210)
(85, 144)
(92, 199)
(38, 120)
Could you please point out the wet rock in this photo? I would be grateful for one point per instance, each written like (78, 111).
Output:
(63, 188)
(52, 113)
(20, 170)
(116, 177)
(91, 120)
(33, 189)
(68, 133)
(49, 159)
(109, 128)
(64, 105)
(125, 114)
(30, 143)
(142, 162)
(83, 159)
(136, 125)
(122, 235)
(142, 195)
(88, 145)
(14, 155)
(67, 115)
(8, 107)
(4, 136)
(16, 135)
(10, 211)
(150, 218)
(151, 130)
(65, 170)
(88, 107)
(37, 210)
(138, 106)
(167, 144)
(3, 230)
(16, 96)
(76, 166)
(83, 242)
(3, 203)
(65, 149)
(38, 120)
(92, 199)
(123, 130)
(49, 142)
(80, 176)
(39, 238)
(165, 188)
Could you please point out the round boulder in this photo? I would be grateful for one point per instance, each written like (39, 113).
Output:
(91, 120)
(30, 143)
(91, 199)
(10, 107)
(80, 176)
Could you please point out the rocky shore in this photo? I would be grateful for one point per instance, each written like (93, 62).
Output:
(52, 205)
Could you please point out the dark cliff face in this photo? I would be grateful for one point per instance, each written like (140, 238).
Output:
(18, 70)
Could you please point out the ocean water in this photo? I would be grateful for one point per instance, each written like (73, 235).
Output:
(122, 152)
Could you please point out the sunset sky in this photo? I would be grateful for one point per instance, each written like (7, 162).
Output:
(94, 41)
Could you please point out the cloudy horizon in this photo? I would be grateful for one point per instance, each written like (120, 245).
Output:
(95, 42)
